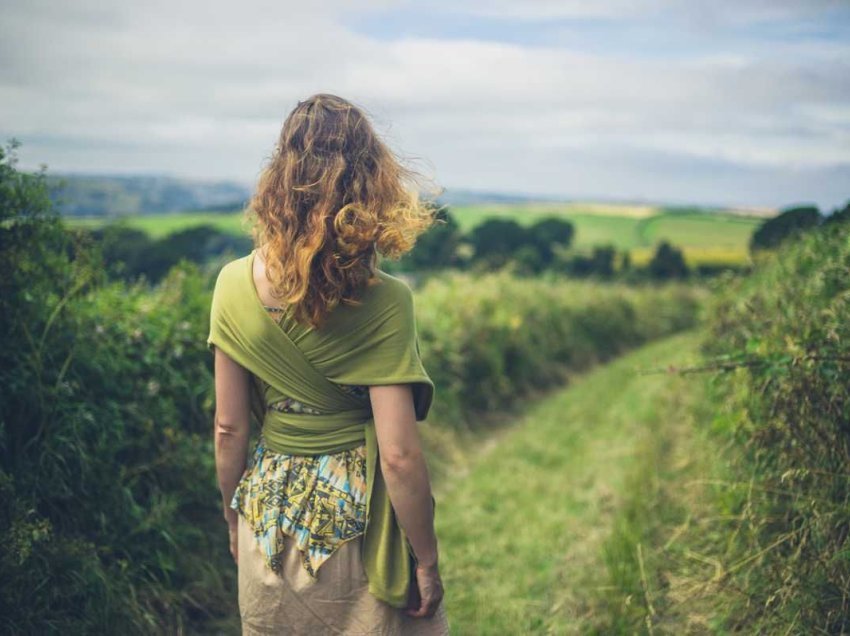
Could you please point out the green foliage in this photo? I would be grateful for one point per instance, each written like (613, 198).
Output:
(438, 247)
(841, 215)
(489, 339)
(784, 335)
(788, 223)
(549, 234)
(33, 245)
(110, 515)
(599, 263)
(496, 241)
(667, 262)
(130, 253)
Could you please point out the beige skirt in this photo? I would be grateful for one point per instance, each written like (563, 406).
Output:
(336, 602)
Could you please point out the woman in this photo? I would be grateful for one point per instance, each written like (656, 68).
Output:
(332, 523)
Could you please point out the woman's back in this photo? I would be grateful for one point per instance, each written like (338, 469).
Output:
(296, 512)
(334, 514)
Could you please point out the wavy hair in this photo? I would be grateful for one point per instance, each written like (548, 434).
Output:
(332, 197)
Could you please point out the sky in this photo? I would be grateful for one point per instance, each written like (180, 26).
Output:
(713, 102)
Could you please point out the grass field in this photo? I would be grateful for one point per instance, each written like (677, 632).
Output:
(160, 225)
(537, 536)
(706, 237)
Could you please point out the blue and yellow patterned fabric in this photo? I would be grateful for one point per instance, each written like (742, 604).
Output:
(318, 501)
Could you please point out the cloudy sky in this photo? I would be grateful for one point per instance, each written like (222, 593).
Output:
(706, 101)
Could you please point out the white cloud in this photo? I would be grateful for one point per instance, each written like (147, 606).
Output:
(201, 90)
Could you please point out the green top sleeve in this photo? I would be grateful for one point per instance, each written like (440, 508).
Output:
(215, 309)
(393, 353)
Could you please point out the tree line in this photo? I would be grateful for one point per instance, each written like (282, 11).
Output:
(130, 253)
(497, 243)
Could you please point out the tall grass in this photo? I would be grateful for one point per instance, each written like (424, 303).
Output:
(738, 519)
(109, 517)
(785, 335)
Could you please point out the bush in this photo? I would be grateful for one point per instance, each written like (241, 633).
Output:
(110, 513)
(129, 253)
(496, 240)
(438, 247)
(548, 235)
(788, 223)
(784, 334)
(601, 262)
(667, 262)
(841, 215)
(489, 339)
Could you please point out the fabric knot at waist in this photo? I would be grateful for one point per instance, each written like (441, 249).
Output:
(310, 434)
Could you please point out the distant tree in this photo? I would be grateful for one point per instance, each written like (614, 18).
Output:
(667, 262)
(129, 252)
(196, 244)
(124, 248)
(528, 260)
(603, 260)
(547, 233)
(438, 247)
(706, 270)
(774, 231)
(600, 262)
(839, 216)
(496, 240)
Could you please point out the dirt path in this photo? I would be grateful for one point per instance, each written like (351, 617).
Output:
(522, 531)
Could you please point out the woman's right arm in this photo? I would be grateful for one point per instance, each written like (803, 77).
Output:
(408, 484)
(231, 432)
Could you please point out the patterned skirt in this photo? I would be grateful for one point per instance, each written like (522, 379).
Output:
(301, 522)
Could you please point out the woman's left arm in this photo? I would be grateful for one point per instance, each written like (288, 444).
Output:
(232, 430)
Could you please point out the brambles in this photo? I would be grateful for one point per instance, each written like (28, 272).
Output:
(791, 412)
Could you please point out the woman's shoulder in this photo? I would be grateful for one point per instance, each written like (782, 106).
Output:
(232, 270)
(236, 263)
(389, 287)
(385, 297)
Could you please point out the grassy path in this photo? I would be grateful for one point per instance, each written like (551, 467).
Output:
(525, 533)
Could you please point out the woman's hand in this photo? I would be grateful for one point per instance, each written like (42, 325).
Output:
(234, 539)
(430, 591)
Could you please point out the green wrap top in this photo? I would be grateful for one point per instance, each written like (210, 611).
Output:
(372, 343)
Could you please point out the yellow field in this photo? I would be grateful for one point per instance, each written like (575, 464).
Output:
(695, 256)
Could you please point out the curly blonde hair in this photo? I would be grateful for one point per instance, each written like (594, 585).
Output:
(332, 196)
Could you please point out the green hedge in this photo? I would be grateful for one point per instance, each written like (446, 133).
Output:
(489, 339)
(110, 515)
(784, 335)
